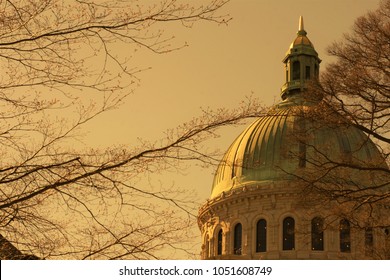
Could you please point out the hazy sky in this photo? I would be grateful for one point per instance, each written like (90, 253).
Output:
(221, 66)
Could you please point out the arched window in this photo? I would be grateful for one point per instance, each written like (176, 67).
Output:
(219, 242)
(369, 241)
(288, 234)
(237, 239)
(261, 236)
(296, 73)
(317, 234)
(345, 236)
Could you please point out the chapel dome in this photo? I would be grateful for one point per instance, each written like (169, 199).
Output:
(298, 137)
(294, 137)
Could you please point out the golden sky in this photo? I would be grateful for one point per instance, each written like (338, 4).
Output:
(221, 65)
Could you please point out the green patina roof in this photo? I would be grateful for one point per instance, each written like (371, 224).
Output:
(270, 150)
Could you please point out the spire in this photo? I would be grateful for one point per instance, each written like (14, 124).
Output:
(301, 29)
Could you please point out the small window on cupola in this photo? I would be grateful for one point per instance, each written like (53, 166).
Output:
(296, 73)
(307, 77)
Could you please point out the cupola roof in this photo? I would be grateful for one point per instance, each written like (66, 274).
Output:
(301, 44)
(301, 36)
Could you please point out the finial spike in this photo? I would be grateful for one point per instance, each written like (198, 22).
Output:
(301, 27)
